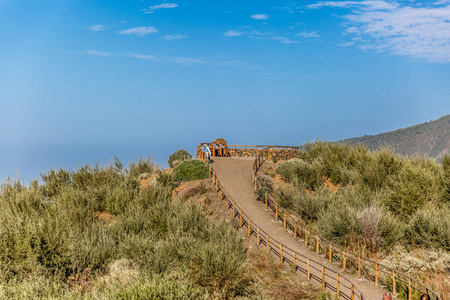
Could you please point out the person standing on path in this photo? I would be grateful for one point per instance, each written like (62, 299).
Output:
(388, 296)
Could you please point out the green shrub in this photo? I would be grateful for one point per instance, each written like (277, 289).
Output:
(430, 227)
(144, 165)
(446, 180)
(159, 287)
(338, 223)
(298, 170)
(418, 182)
(165, 179)
(79, 222)
(177, 157)
(220, 263)
(261, 191)
(191, 169)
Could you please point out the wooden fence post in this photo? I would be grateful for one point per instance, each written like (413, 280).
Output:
(338, 286)
(318, 245)
(353, 292)
(409, 289)
(306, 237)
(295, 230)
(228, 201)
(240, 219)
(268, 241)
(265, 195)
(276, 212)
(294, 261)
(257, 236)
(376, 274)
(281, 253)
(331, 252)
(343, 266)
(308, 271)
(284, 216)
(323, 278)
(359, 266)
(221, 195)
(234, 211)
(249, 227)
(394, 288)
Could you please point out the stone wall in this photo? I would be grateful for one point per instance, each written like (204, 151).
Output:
(272, 154)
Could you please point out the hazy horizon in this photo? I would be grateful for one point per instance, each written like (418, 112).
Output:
(83, 81)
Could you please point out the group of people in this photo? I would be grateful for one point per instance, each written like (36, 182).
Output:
(388, 296)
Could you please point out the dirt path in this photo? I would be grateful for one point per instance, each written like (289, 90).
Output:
(235, 174)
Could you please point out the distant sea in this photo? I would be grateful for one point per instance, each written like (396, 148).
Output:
(28, 162)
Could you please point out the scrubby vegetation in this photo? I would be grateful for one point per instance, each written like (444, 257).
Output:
(191, 169)
(99, 233)
(94, 233)
(375, 202)
(177, 157)
(382, 199)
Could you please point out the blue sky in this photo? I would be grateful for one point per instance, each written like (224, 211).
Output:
(84, 80)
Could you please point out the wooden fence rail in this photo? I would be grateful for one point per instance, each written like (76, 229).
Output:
(329, 279)
(372, 270)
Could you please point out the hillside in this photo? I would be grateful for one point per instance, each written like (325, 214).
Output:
(431, 139)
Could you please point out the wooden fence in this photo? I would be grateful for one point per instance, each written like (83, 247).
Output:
(271, 152)
(314, 271)
(372, 270)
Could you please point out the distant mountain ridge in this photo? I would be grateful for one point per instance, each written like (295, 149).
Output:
(430, 139)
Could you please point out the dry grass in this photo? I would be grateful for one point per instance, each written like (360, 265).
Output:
(270, 279)
(278, 281)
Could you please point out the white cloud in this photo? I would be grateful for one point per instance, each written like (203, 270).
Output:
(98, 53)
(143, 56)
(98, 27)
(255, 34)
(140, 31)
(173, 37)
(346, 44)
(312, 34)
(283, 40)
(152, 9)
(185, 60)
(233, 33)
(259, 17)
(415, 30)
(366, 4)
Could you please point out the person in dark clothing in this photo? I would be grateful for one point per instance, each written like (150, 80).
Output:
(425, 297)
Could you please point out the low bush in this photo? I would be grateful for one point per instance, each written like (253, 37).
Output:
(430, 227)
(417, 183)
(261, 192)
(160, 287)
(59, 240)
(177, 157)
(264, 181)
(191, 169)
(310, 174)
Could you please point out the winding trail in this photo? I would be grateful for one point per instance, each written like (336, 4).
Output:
(235, 174)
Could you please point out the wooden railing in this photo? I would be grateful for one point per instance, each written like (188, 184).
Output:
(313, 270)
(274, 152)
(372, 270)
